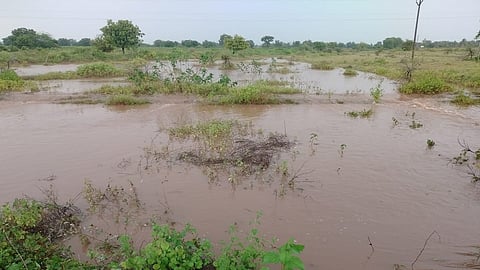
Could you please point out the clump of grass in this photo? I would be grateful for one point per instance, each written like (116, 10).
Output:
(114, 90)
(427, 84)
(261, 92)
(322, 66)
(122, 99)
(211, 130)
(10, 81)
(463, 99)
(98, 70)
(362, 114)
(350, 72)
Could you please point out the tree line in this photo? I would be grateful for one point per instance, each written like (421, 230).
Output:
(124, 34)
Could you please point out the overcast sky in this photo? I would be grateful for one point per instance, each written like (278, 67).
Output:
(287, 20)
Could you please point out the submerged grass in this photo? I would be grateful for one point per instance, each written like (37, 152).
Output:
(463, 99)
(122, 99)
(362, 114)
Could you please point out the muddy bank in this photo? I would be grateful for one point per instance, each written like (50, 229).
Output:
(384, 184)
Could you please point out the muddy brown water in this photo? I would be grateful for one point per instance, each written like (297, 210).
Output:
(385, 186)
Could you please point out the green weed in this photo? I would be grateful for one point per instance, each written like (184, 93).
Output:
(363, 113)
(463, 99)
(350, 72)
(426, 83)
(286, 256)
(430, 143)
(121, 99)
(168, 249)
(377, 92)
(98, 70)
(322, 65)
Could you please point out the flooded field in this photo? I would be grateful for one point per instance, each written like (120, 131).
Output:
(366, 193)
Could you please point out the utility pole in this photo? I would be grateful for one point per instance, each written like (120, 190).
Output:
(419, 4)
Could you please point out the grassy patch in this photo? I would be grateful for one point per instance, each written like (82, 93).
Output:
(463, 99)
(10, 81)
(322, 65)
(350, 72)
(209, 130)
(98, 70)
(426, 83)
(121, 99)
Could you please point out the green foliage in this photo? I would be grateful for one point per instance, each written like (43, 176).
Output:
(377, 92)
(121, 99)
(242, 254)
(426, 83)
(235, 44)
(10, 81)
(430, 143)
(29, 38)
(322, 65)
(22, 246)
(363, 113)
(97, 70)
(122, 34)
(350, 72)
(210, 130)
(169, 249)
(286, 256)
(463, 99)
(267, 40)
(9, 75)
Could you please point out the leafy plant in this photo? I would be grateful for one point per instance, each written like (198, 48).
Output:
(241, 254)
(430, 143)
(169, 249)
(97, 70)
(377, 92)
(286, 256)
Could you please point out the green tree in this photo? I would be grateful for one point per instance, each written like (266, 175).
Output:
(478, 35)
(267, 40)
(222, 39)
(29, 38)
(121, 34)
(84, 42)
(237, 43)
(392, 43)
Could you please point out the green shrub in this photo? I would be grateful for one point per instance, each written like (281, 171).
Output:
(98, 70)
(9, 75)
(169, 249)
(121, 99)
(350, 72)
(463, 99)
(22, 244)
(427, 84)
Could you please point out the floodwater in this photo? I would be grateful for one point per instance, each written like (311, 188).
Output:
(385, 187)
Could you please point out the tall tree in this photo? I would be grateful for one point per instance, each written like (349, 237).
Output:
(478, 35)
(222, 39)
(237, 43)
(122, 34)
(267, 40)
(29, 38)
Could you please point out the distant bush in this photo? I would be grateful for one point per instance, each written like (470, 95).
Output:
(9, 75)
(98, 70)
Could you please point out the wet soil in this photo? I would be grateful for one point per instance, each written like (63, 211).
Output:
(383, 186)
